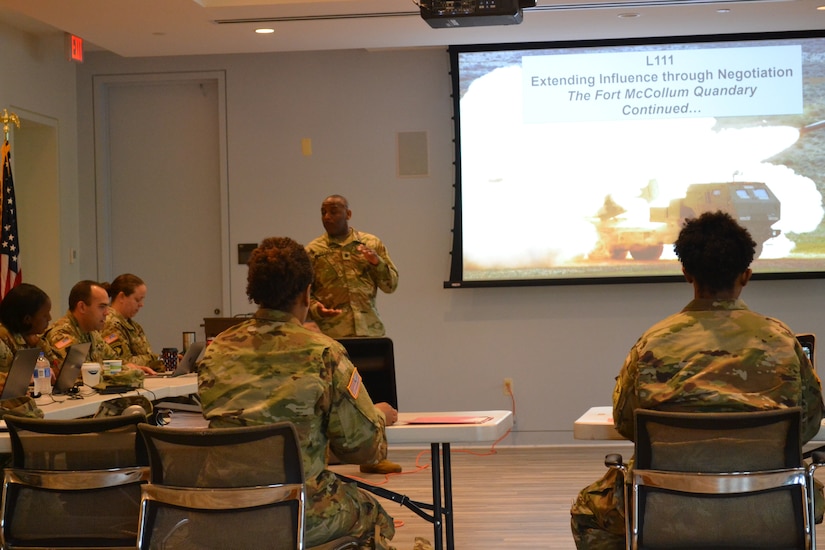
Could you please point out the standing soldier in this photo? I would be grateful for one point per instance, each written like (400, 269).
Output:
(350, 266)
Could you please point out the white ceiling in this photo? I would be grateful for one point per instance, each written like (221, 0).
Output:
(132, 28)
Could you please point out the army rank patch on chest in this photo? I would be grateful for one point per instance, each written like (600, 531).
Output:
(354, 385)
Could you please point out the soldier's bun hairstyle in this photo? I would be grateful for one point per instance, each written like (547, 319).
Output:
(125, 283)
(714, 250)
(279, 270)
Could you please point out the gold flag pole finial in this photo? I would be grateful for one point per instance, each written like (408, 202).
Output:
(8, 118)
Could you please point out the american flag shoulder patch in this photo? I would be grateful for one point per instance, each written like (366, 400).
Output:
(63, 342)
(354, 385)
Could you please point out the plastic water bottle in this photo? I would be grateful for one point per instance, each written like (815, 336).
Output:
(42, 376)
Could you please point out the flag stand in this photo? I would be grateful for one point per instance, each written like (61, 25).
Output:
(8, 118)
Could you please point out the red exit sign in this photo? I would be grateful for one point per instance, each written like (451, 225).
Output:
(74, 48)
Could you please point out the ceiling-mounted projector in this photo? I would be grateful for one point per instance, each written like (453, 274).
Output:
(443, 14)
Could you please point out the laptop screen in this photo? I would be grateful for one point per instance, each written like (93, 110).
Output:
(70, 370)
(20, 373)
(187, 364)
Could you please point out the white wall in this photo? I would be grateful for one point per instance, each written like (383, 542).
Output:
(38, 82)
(562, 345)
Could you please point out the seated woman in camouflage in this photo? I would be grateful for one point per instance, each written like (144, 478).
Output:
(272, 369)
(25, 312)
(123, 334)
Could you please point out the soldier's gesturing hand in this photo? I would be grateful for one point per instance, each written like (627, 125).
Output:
(369, 254)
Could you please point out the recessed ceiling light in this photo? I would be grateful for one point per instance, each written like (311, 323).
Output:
(723, 10)
(821, 8)
(264, 31)
(628, 15)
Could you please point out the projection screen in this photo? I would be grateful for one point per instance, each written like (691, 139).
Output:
(579, 162)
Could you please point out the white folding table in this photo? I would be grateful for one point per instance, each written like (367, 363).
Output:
(87, 401)
(597, 423)
(440, 436)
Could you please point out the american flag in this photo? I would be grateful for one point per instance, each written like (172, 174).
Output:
(10, 273)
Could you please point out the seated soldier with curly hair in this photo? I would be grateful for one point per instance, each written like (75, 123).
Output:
(271, 368)
(715, 355)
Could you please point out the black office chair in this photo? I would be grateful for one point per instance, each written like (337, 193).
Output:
(225, 488)
(718, 480)
(375, 360)
(73, 483)
(212, 326)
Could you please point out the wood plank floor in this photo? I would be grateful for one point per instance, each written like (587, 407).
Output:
(515, 499)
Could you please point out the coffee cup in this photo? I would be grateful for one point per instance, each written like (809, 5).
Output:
(169, 356)
(91, 373)
(112, 366)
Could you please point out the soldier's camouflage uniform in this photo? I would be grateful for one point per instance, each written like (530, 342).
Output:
(713, 356)
(10, 343)
(66, 332)
(128, 340)
(271, 369)
(345, 280)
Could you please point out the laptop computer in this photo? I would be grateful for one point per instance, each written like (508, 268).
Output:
(187, 364)
(20, 373)
(807, 341)
(70, 370)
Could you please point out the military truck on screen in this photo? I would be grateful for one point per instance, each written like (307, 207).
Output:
(752, 204)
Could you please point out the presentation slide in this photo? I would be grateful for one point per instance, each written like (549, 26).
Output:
(581, 163)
